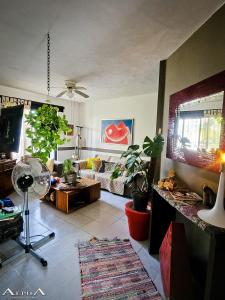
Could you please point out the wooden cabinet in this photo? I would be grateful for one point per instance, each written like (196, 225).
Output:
(6, 167)
(208, 270)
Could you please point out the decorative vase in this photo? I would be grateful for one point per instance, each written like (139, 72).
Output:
(216, 215)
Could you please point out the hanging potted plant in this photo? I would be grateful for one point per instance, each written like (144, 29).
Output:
(46, 131)
(140, 175)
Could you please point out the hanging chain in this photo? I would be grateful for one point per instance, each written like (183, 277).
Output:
(48, 63)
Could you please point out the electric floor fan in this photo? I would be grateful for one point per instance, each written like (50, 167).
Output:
(31, 180)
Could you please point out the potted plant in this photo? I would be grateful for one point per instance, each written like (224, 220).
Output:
(139, 171)
(69, 171)
(140, 175)
(45, 130)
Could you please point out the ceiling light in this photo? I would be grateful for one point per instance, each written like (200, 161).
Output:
(69, 93)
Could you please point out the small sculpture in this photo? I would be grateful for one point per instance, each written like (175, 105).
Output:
(209, 197)
(169, 182)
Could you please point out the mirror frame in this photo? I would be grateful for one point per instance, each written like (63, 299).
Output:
(204, 88)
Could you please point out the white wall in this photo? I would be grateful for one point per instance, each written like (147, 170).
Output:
(141, 108)
(71, 110)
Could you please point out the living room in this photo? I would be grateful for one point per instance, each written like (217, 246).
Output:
(137, 61)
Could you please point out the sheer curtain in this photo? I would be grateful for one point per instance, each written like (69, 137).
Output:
(24, 141)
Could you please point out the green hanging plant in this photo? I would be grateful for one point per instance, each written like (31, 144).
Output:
(45, 131)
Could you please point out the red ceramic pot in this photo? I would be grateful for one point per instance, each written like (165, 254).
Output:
(138, 222)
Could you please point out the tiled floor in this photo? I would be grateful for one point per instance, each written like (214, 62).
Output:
(61, 279)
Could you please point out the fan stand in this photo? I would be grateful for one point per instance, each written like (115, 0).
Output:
(24, 183)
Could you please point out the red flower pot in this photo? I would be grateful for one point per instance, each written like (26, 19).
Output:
(138, 222)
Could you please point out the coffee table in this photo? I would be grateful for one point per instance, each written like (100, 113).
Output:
(69, 198)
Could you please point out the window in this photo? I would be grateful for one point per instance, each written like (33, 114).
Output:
(199, 131)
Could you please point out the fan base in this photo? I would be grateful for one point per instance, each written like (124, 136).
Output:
(29, 249)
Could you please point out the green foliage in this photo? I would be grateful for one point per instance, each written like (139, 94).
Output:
(136, 166)
(68, 167)
(153, 148)
(117, 172)
(45, 131)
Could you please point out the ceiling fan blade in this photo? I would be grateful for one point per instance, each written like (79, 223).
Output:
(80, 88)
(61, 94)
(57, 87)
(82, 94)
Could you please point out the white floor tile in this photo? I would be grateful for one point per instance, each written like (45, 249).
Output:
(61, 279)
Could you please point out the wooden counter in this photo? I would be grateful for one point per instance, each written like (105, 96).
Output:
(165, 210)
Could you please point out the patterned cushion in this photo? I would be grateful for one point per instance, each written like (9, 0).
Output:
(109, 166)
(82, 164)
(96, 165)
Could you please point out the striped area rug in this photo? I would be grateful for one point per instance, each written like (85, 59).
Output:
(111, 269)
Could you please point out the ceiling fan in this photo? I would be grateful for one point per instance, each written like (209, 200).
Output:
(71, 88)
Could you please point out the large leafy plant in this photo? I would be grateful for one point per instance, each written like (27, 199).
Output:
(136, 167)
(46, 131)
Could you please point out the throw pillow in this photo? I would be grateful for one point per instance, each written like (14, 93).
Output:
(96, 165)
(109, 166)
(102, 167)
(82, 164)
(89, 164)
(50, 164)
(90, 161)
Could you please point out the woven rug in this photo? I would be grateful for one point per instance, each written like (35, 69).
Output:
(111, 269)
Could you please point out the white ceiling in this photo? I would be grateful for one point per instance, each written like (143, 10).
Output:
(112, 47)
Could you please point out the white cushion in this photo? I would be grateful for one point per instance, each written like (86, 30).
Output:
(50, 164)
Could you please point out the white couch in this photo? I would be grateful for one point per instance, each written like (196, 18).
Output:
(116, 186)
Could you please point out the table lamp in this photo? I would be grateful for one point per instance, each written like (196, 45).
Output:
(216, 215)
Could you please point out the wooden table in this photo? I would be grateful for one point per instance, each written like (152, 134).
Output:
(84, 192)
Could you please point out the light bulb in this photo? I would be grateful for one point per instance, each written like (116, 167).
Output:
(69, 93)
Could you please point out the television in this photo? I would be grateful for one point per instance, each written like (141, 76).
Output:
(10, 128)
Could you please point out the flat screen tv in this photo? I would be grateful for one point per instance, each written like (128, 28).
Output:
(10, 128)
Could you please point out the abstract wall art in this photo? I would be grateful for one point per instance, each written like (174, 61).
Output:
(117, 131)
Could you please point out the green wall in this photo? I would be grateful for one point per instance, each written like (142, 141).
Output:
(200, 57)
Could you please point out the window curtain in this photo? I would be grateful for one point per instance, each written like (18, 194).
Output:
(6, 101)
(24, 142)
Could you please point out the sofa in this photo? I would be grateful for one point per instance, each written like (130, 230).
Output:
(103, 175)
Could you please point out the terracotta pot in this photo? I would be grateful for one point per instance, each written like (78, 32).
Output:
(138, 222)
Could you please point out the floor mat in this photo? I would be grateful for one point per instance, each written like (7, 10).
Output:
(111, 269)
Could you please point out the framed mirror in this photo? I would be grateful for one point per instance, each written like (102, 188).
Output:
(196, 124)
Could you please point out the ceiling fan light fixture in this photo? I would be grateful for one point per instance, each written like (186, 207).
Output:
(69, 93)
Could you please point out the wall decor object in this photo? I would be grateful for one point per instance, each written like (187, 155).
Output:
(6, 101)
(196, 124)
(117, 131)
